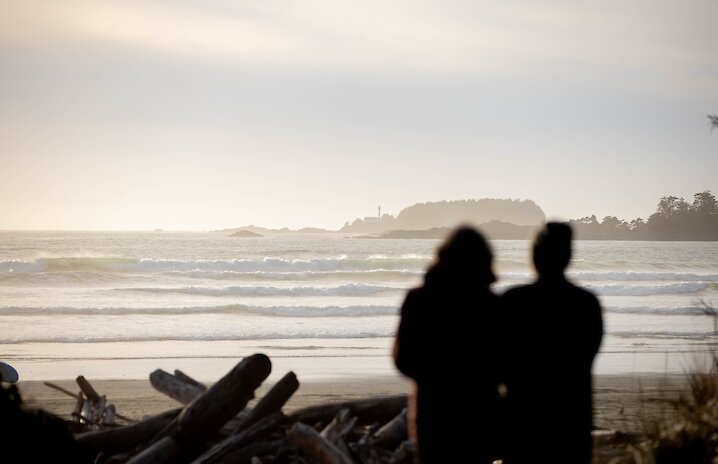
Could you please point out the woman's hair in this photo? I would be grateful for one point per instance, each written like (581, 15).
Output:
(465, 257)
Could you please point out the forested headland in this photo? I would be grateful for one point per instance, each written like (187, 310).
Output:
(505, 219)
(440, 214)
(674, 219)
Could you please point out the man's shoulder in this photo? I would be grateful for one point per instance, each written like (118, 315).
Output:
(518, 291)
(584, 293)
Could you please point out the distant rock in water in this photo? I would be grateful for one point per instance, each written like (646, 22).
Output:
(426, 216)
(245, 233)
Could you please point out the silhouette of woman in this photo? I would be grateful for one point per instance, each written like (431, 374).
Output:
(444, 342)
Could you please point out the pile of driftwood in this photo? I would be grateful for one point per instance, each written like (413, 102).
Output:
(216, 426)
(92, 412)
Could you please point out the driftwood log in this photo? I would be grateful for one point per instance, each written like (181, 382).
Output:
(234, 443)
(380, 409)
(338, 428)
(223, 400)
(165, 450)
(121, 439)
(392, 433)
(250, 451)
(186, 378)
(203, 417)
(175, 387)
(315, 446)
(87, 389)
(273, 401)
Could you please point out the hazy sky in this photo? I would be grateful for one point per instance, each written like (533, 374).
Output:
(123, 114)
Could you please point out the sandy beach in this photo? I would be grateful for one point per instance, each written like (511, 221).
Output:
(622, 402)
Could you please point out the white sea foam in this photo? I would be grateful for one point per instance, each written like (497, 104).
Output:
(648, 310)
(341, 290)
(284, 311)
(667, 334)
(646, 290)
(300, 275)
(267, 264)
(218, 336)
(644, 276)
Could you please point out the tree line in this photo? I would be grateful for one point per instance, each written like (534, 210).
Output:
(674, 219)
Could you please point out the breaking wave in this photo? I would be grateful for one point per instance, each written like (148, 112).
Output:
(283, 311)
(646, 290)
(89, 264)
(341, 290)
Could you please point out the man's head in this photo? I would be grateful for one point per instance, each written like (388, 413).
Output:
(552, 249)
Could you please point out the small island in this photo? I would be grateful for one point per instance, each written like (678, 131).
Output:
(245, 234)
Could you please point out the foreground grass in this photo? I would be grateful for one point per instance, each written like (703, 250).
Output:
(687, 433)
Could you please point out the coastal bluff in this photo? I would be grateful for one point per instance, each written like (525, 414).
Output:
(443, 214)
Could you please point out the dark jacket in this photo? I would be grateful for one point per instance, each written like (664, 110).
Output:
(554, 330)
(446, 343)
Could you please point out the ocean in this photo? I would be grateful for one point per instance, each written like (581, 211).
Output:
(117, 305)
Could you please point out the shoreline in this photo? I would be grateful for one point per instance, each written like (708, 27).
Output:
(621, 402)
(312, 359)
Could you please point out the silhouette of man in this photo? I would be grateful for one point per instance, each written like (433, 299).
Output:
(445, 342)
(555, 329)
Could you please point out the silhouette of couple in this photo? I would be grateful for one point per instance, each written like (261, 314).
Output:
(500, 378)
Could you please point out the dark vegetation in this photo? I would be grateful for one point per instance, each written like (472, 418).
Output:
(674, 219)
(691, 437)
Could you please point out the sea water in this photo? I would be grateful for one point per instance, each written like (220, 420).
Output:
(119, 305)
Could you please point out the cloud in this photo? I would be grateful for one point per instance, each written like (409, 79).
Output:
(450, 36)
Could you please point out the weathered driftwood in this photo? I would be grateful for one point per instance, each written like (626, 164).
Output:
(404, 453)
(174, 387)
(186, 378)
(315, 446)
(219, 452)
(223, 400)
(231, 425)
(201, 419)
(273, 401)
(94, 410)
(108, 418)
(165, 451)
(81, 400)
(246, 453)
(363, 453)
(77, 413)
(184, 435)
(380, 409)
(392, 433)
(63, 390)
(87, 389)
(125, 438)
(338, 429)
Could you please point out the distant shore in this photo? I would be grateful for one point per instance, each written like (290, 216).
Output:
(622, 402)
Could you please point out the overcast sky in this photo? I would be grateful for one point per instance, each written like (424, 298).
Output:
(210, 114)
